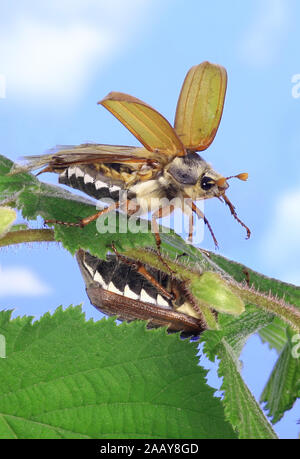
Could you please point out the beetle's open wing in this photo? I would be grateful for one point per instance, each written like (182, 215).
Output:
(200, 105)
(146, 124)
(61, 157)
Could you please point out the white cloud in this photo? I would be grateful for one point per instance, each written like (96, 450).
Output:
(281, 245)
(50, 51)
(19, 281)
(264, 37)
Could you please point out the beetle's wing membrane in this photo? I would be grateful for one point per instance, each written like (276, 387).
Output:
(200, 105)
(61, 157)
(146, 124)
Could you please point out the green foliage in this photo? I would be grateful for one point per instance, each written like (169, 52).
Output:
(283, 387)
(67, 378)
(64, 377)
(240, 406)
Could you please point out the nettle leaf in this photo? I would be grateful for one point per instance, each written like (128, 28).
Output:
(283, 386)
(13, 184)
(236, 330)
(275, 333)
(240, 406)
(226, 344)
(64, 377)
(281, 390)
(50, 205)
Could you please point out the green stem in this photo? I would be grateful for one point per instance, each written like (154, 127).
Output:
(277, 306)
(31, 235)
(269, 303)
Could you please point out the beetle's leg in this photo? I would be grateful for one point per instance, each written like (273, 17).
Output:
(234, 214)
(87, 220)
(191, 227)
(160, 213)
(201, 215)
(247, 276)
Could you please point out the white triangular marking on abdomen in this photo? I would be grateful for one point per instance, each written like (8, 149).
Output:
(98, 278)
(88, 179)
(114, 188)
(114, 289)
(79, 172)
(146, 298)
(90, 270)
(71, 171)
(162, 302)
(99, 184)
(130, 294)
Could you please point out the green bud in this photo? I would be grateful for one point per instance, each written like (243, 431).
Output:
(7, 217)
(215, 292)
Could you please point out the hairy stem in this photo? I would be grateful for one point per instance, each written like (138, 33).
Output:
(30, 235)
(269, 303)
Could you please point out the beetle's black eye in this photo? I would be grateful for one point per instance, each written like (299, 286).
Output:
(207, 183)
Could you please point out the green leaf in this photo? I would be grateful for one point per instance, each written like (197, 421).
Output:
(12, 184)
(283, 386)
(64, 377)
(240, 406)
(275, 333)
(51, 203)
(236, 330)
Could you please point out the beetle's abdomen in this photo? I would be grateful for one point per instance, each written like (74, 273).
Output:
(89, 180)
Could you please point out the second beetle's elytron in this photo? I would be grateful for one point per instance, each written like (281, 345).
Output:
(115, 287)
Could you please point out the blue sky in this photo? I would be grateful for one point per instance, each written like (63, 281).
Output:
(58, 58)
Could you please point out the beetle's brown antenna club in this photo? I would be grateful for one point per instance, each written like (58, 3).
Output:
(243, 176)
